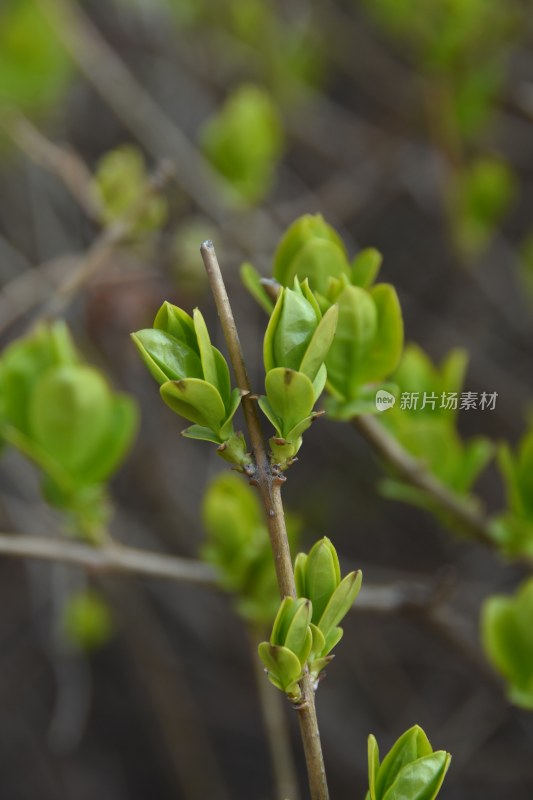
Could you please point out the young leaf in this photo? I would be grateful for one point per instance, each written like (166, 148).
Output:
(290, 395)
(166, 357)
(196, 400)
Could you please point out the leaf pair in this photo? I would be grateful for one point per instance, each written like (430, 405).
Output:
(507, 635)
(318, 577)
(411, 770)
(193, 376)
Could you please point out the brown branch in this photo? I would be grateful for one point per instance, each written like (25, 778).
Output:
(110, 558)
(269, 486)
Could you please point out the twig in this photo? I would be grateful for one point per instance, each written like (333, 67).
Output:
(269, 486)
(415, 473)
(111, 558)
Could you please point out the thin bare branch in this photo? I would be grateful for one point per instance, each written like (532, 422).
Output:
(110, 558)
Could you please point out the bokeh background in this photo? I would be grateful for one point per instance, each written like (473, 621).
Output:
(409, 126)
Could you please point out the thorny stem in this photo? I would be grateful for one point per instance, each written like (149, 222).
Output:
(269, 482)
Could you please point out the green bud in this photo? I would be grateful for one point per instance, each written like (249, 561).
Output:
(290, 645)
(507, 636)
(318, 577)
(297, 336)
(410, 771)
(296, 343)
(310, 249)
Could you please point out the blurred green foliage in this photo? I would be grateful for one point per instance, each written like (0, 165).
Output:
(34, 68)
(62, 414)
(243, 141)
(121, 184)
(87, 621)
(461, 42)
(285, 53)
(481, 196)
(428, 430)
(513, 530)
(239, 548)
(507, 634)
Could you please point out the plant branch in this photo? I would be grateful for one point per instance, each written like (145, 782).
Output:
(110, 558)
(269, 484)
(414, 472)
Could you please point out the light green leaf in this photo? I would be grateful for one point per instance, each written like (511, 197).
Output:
(109, 451)
(386, 350)
(373, 766)
(282, 663)
(207, 357)
(290, 395)
(356, 330)
(196, 400)
(166, 357)
(68, 411)
(411, 745)
(203, 434)
(252, 281)
(176, 322)
(322, 576)
(340, 602)
(294, 331)
(308, 230)
(421, 779)
(365, 267)
(320, 344)
(298, 637)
